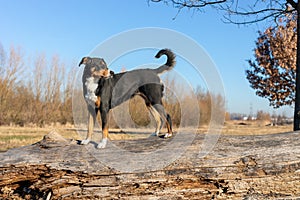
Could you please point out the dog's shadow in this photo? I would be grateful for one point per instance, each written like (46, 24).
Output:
(95, 144)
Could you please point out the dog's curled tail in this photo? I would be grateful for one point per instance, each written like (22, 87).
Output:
(170, 60)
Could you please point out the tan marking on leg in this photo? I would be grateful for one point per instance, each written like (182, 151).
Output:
(163, 121)
(104, 140)
(168, 127)
(90, 126)
(167, 124)
(105, 132)
(98, 102)
(169, 133)
(157, 118)
(90, 130)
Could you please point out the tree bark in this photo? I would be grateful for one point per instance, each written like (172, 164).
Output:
(297, 92)
(239, 167)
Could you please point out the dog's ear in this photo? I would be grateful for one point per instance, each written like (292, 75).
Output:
(85, 60)
(112, 73)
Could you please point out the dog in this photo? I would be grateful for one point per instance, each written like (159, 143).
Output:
(94, 67)
(114, 89)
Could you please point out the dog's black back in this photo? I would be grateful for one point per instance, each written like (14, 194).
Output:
(121, 87)
(145, 82)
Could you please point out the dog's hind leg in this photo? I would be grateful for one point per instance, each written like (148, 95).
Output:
(165, 118)
(91, 123)
(157, 119)
(169, 126)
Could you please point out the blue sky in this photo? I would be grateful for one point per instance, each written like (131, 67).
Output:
(72, 28)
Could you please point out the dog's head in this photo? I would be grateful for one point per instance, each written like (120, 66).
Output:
(93, 65)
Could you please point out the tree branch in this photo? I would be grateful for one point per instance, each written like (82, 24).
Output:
(274, 9)
(196, 4)
(271, 15)
(256, 11)
(191, 4)
(292, 3)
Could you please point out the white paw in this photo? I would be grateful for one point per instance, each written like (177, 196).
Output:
(102, 144)
(168, 135)
(84, 142)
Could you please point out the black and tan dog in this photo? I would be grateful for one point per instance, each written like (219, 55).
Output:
(114, 89)
(94, 67)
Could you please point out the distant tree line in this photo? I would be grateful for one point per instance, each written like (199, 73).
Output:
(39, 92)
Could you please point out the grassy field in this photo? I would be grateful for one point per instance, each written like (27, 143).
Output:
(253, 128)
(11, 137)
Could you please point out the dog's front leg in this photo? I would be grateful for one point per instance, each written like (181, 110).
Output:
(104, 118)
(91, 123)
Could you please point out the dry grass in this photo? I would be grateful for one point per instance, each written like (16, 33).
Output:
(253, 128)
(11, 137)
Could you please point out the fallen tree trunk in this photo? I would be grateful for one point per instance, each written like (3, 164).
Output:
(239, 167)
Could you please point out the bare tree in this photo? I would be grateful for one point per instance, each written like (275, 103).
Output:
(39, 71)
(9, 77)
(53, 89)
(2, 58)
(249, 12)
(42, 98)
(66, 108)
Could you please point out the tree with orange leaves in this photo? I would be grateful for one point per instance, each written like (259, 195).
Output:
(272, 73)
